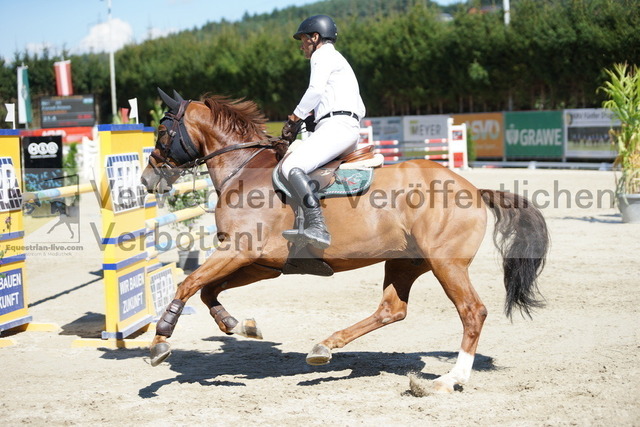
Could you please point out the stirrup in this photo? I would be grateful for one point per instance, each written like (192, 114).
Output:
(306, 237)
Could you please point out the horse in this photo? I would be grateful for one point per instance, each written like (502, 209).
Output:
(417, 216)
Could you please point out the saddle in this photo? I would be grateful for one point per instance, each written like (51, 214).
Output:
(337, 170)
(354, 172)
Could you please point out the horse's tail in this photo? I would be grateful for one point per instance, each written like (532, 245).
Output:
(522, 237)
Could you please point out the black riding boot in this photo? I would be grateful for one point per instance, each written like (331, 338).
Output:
(315, 232)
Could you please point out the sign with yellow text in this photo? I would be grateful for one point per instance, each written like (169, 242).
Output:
(486, 131)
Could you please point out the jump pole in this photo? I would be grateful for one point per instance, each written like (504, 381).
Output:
(14, 295)
(450, 151)
(454, 147)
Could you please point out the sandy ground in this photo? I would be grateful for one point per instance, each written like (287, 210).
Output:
(576, 363)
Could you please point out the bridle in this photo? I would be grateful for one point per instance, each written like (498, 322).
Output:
(181, 156)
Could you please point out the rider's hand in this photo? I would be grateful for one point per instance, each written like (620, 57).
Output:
(310, 123)
(291, 128)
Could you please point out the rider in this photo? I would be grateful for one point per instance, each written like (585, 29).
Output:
(332, 101)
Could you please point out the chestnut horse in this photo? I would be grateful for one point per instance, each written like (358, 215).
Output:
(417, 216)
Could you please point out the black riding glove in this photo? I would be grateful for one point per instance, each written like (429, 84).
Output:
(310, 123)
(290, 130)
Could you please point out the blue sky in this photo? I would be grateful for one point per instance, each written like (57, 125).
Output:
(79, 26)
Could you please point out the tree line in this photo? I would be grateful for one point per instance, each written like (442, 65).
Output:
(408, 56)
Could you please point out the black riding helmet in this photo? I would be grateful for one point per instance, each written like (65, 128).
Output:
(321, 24)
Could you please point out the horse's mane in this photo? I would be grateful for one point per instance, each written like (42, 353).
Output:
(236, 115)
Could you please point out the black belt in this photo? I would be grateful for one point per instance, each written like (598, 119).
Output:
(340, 113)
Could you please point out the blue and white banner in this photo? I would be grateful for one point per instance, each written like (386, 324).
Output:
(11, 291)
(24, 97)
(123, 173)
(131, 292)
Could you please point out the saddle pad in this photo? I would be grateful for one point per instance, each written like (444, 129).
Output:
(348, 182)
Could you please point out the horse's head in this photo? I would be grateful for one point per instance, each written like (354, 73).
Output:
(174, 147)
(192, 133)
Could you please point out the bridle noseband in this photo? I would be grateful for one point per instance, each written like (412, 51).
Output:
(179, 149)
(181, 156)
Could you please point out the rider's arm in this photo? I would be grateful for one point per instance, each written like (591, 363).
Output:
(321, 68)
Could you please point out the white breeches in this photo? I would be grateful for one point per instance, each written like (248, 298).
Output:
(333, 136)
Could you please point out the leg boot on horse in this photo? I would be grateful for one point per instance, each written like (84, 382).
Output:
(315, 232)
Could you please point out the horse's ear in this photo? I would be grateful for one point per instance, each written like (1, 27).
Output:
(177, 96)
(172, 103)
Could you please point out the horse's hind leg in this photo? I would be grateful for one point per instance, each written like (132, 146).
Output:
(453, 275)
(227, 323)
(399, 277)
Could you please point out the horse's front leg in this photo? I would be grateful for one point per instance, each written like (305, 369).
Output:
(226, 322)
(221, 264)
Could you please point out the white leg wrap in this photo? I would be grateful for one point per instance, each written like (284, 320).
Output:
(460, 373)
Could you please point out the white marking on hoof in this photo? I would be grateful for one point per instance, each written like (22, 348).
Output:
(248, 329)
(444, 384)
(459, 375)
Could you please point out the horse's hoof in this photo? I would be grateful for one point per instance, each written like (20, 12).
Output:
(443, 385)
(319, 355)
(248, 329)
(159, 353)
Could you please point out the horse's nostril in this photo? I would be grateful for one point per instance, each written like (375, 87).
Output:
(144, 182)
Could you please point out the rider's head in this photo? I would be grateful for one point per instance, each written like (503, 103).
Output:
(315, 31)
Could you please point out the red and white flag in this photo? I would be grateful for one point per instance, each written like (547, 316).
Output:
(63, 78)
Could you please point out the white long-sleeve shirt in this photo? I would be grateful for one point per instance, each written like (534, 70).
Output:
(332, 85)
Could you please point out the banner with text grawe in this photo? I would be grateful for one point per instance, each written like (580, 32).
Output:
(534, 135)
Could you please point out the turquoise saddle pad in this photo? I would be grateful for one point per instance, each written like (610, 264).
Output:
(348, 182)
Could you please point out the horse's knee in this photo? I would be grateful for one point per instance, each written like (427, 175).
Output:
(483, 313)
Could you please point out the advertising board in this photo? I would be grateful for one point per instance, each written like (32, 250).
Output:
(486, 131)
(534, 135)
(587, 133)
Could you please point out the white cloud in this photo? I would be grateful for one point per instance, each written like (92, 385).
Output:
(39, 48)
(100, 39)
(156, 33)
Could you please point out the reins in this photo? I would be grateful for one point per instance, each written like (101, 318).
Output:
(180, 144)
(264, 143)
